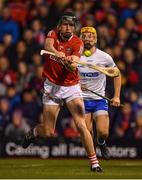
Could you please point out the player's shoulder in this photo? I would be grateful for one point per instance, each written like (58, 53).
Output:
(76, 39)
(103, 54)
(52, 32)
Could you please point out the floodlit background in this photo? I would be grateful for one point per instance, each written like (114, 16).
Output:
(24, 25)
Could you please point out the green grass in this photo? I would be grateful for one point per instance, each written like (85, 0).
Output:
(68, 168)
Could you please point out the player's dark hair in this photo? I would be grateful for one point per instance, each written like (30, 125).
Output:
(68, 16)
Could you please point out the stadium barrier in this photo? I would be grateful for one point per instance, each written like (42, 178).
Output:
(70, 148)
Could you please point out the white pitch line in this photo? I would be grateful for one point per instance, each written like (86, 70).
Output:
(127, 164)
(26, 165)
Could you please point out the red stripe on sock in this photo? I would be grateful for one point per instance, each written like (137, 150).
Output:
(93, 159)
(95, 162)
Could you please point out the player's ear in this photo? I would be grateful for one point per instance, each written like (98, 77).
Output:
(74, 31)
(95, 40)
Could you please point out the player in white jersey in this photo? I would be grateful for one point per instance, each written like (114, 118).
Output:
(95, 106)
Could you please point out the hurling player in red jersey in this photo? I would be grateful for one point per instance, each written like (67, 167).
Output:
(62, 85)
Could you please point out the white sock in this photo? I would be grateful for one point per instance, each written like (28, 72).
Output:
(95, 165)
(94, 161)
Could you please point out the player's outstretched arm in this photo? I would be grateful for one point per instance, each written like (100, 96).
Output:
(117, 89)
(49, 46)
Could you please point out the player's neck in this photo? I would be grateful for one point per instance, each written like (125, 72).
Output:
(93, 49)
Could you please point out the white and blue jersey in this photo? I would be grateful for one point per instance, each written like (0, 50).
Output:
(95, 81)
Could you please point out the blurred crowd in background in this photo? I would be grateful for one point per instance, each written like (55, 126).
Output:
(24, 25)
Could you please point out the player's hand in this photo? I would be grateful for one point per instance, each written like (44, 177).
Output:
(69, 59)
(70, 66)
(115, 101)
(83, 87)
(60, 54)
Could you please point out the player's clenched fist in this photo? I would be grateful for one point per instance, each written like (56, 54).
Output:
(60, 54)
(69, 59)
(115, 101)
(70, 64)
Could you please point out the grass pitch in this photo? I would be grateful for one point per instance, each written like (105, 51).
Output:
(68, 168)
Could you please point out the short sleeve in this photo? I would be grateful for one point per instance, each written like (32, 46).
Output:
(78, 49)
(110, 61)
(52, 34)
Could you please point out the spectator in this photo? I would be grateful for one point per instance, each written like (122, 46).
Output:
(37, 81)
(89, 20)
(139, 21)
(8, 26)
(117, 51)
(138, 128)
(2, 50)
(112, 23)
(7, 40)
(4, 114)
(13, 96)
(134, 35)
(122, 37)
(28, 101)
(123, 121)
(131, 68)
(36, 60)
(17, 128)
(43, 11)
(139, 55)
(23, 76)
(30, 42)
(78, 8)
(20, 54)
(38, 32)
(129, 11)
(19, 12)
(56, 9)
(7, 75)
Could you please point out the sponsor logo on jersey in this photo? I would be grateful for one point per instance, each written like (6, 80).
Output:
(61, 48)
(89, 74)
(54, 58)
(69, 50)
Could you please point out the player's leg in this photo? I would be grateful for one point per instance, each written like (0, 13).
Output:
(50, 113)
(102, 127)
(51, 107)
(46, 129)
(76, 107)
(89, 122)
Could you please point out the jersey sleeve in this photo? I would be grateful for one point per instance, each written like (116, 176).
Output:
(78, 48)
(110, 61)
(52, 34)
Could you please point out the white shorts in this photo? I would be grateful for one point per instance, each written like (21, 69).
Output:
(55, 94)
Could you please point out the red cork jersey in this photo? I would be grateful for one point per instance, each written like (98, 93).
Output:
(54, 70)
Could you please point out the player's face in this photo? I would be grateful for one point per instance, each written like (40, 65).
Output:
(67, 28)
(89, 40)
